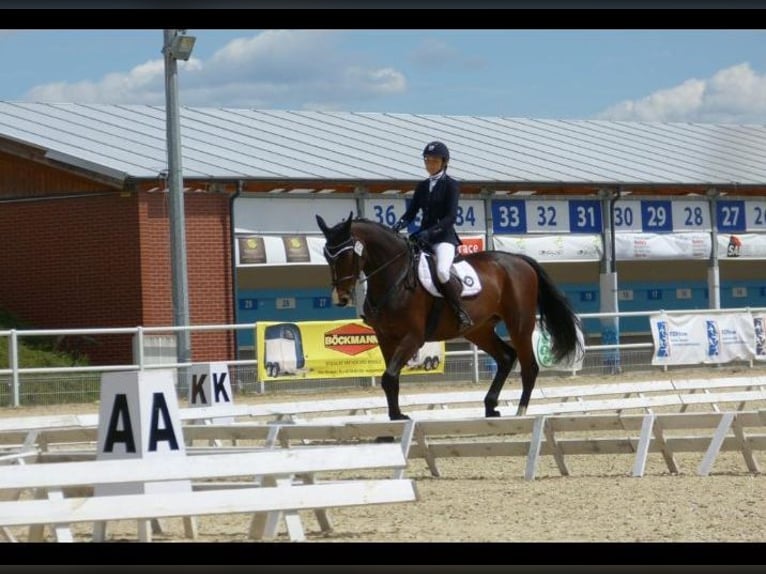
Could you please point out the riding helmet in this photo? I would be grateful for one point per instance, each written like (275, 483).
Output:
(438, 149)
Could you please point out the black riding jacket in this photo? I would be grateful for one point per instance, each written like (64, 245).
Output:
(439, 210)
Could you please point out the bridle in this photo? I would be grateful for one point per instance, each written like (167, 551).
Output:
(332, 252)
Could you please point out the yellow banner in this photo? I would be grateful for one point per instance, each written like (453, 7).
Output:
(331, 350)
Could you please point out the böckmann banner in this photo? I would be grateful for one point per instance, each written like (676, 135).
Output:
(331, 350)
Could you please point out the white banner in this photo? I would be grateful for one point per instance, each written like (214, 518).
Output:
(553, 248)
(698, 339)
(256, 250)
(541, 343)
(759, 325)
(741, 246)
(630, 246)
(286, 214)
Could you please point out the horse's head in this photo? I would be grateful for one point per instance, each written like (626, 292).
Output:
(344, 255)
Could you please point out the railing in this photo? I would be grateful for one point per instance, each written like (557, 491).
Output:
(465, 365)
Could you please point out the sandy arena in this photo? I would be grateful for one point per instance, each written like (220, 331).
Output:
(488, 500)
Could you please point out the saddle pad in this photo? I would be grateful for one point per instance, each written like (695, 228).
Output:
(469, 279)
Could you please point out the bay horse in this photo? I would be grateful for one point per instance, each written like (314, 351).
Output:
(404, 314)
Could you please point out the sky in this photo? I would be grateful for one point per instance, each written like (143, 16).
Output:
(716, 76)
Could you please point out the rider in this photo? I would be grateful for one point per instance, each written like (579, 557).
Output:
(437, 197)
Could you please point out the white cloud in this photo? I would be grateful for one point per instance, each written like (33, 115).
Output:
(732, 95)
(273, 69)
(433, 54)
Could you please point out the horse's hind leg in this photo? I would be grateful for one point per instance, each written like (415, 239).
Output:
(529, 371)
(504, 355)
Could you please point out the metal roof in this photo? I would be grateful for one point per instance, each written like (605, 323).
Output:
(122, 141)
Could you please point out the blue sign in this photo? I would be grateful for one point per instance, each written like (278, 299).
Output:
(656, 216)
(546, 216)
(509, 216)
(247, 304)
(585, 216)
(730, 215)
(321, 302)
(587, 296)
(654, 294)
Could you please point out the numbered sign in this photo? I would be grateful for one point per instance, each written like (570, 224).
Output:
(656, 216)
(509, 216)
(546, 216)
(737, 216)
(627, 215)
(691, 215)
(730, 215)
(755, 214)
(661, 215)
(387, 210)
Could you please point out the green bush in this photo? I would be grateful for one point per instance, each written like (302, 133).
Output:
(44, 388)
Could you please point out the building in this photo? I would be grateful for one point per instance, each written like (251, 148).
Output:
(84, 210)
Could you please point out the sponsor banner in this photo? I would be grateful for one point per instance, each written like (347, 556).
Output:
(698, 339)
(254, 250)
(541, 343)
(330, 350)
(759, 326)
(741, 246)
(263, 250)
(471, 244)
(658, 246)
(553, 248)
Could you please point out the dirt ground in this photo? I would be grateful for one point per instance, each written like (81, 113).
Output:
(488, 500)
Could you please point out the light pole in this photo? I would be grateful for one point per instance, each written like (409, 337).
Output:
(177, 46)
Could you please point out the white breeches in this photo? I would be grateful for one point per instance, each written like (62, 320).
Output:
(445, 255)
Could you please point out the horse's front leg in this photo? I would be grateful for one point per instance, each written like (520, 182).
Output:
(396, 356)
(390, 384)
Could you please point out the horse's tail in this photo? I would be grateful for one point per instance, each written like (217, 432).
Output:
(556, 314)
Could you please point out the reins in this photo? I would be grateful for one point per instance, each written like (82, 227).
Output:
(332, 252)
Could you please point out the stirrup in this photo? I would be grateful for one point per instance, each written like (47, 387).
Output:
(464, 322)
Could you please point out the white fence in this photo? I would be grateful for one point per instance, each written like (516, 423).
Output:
(466, 364)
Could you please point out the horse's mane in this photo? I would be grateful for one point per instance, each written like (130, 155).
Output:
(375, 224)
(381, 226)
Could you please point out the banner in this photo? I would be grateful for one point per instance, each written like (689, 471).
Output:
(702, 339)
(553, 248)
(661, 246)
(331, 350)
(252, 250)
(741, 246)
(541, 343)
(759, 327)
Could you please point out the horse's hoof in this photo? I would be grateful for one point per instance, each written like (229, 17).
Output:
(400, 417)
(493, 413)
(384, 439)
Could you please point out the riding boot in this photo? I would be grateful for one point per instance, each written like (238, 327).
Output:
(451, 291)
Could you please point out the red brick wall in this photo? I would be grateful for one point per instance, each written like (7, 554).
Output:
(73, 263)
(104, 261)
(209, 271)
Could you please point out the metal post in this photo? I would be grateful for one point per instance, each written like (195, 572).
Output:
(713, 270)
(608, 283)
(176, 211)
(13, 359)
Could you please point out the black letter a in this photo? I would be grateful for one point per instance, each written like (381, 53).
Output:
(167, 433)
(113, 435)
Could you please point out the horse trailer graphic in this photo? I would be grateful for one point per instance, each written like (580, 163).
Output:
(428, 357)
(283, 350)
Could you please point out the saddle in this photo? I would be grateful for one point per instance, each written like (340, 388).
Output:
(469, 279)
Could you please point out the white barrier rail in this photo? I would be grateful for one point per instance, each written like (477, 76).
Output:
(15, 370)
